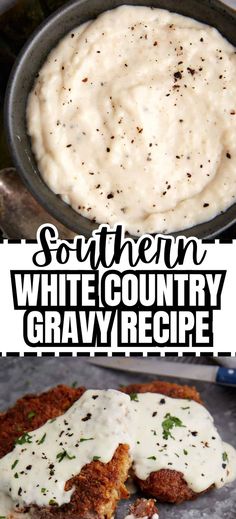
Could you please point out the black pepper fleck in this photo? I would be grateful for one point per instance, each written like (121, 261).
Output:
(177, 75)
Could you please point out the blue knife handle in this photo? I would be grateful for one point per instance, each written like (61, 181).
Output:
(226, 376)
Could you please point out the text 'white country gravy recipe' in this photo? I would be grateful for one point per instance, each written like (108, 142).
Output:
(132, 120)
(162, 433)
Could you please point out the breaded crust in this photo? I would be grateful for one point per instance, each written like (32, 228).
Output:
(165, 388)
(98, 487)
(143, 508)
(32, 411)
(166, 485)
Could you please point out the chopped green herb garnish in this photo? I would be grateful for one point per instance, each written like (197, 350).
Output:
(3, 517)
(138, 442)
(184, 408)
(185, 452)
(53, 502)
(42, 440)
(16, 475)
(52, 420)
(168, 424)
(96, 458)
(31, 415)
(176, 454)
(64, 454)
(134, 397)
(152, 458)
(14, 464)
(74, 384)
(154, 432)
(25, 438)
(85, 439)
(44, 490)
(225, 456)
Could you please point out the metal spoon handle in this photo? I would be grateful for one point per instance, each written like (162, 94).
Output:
(20, 214)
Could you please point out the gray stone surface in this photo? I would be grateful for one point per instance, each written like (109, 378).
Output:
(24, 375)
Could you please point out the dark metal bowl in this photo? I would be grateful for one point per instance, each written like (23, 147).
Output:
(33, 56)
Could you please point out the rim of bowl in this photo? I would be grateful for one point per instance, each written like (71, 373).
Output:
(53, 204)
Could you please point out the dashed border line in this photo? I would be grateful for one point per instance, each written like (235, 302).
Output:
(205, 241)
(53, 354)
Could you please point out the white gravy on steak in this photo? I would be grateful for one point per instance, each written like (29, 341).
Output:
(162, 433)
